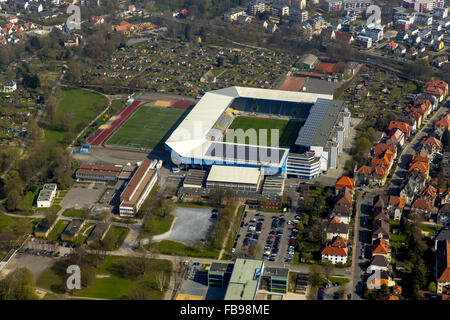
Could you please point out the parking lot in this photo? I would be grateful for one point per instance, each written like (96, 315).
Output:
(274, 235)
(83, 195)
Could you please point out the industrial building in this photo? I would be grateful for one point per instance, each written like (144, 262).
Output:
(238, 179)
(275, 280)
(198, 140)
(194, 178)
(46, 195)
(94, 172)
(137, 189)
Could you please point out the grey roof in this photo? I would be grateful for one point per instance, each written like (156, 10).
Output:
(221, 267)
(98, 232)
(276, 272)
(379, 260)
(337, 228)
(73, 228)
(319, 125)
(313, 85)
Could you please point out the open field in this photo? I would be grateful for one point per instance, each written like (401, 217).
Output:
(177, 248)
(115, 237)
(76, 109)
(109, 282)
(147, 128)
(288, 130)
(57, 230)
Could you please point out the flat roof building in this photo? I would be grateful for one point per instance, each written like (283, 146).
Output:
(194, 179)
(137, 189)
(219, 274)
(72, 230)
(236, 178)
(46, 195)
(98, 172)
(245, 279)
(98, 233)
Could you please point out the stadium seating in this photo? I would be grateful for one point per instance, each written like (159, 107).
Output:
(274, 108)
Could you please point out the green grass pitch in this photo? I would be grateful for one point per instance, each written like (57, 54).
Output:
(147, 128)
(288, 129)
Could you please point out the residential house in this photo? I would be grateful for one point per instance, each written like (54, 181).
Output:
(328, 34)
(384, 279)
(9, 86)
(363, 41)
(97, 19)
(380, 148)
(443, 196)
(413, 183)
(442, 265)
(444, 122)
(345, 182)
(443, 215)
(432, 144)
(334, 254)
(378, 262)
(395, 207)
(380, 230)
(397, 138)
(404, 127)
(337, 230)
(437, 88)
(421, 207)
(381, 248)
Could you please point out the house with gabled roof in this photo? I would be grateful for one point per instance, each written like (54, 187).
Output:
(345, 182)
(395, 207)
(397, 138)
(404, 127)
(337, 230)
(431, 143)
(421, 207)
(380, 148)
(334, 254)
(378, 262)
(442, 265)
(381, 248)
(380, 229)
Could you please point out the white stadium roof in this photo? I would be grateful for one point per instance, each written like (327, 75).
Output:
(189, 139)
(231, 175)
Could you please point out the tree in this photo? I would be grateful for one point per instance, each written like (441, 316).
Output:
(316, 276)
(328, 269)
(446, 140)
(432, 287)
(13, 199)
(18, 285)
(160, 279)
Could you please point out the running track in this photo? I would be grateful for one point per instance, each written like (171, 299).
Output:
(100, 136)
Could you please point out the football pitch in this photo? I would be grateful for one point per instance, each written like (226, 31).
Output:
(288, 129)
(147, 128)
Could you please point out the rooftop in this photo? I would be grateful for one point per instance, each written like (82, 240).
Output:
(244, 282)
(230, 174)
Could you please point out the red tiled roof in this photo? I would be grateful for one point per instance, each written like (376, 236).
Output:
(381, 148)
(335, 251)
(445, 274)
(339, 242)
(293, 84)
(345, 182)
(399, 125)
(381, 246)
(397, 201)
(422, 204)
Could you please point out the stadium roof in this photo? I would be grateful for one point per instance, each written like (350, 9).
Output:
(320, 123)
(189, 139)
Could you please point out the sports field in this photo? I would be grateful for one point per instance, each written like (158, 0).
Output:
(288, 130)
(147, 128)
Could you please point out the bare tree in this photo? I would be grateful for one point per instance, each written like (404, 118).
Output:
(161, 279)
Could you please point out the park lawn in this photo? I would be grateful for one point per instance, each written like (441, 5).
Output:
(50, 280)
(73, 213)
(13, 222)
(82, 104)
(288, 130)
(54, 209)
(178, 248)
(116, 236)
(147, 128)
(430, 229)
(57, 230)
(84, 233)
(339, 280)
(115, 287)
(162, 224)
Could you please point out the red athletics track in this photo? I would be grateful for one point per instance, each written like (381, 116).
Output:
(101, 136)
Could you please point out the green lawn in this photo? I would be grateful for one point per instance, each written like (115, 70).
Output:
(81, 105)
(116, 236)
(110, 285)
(339, 280)
(84, 233)
(73, 213)
(57, 230)
(147, 128)
(177, 248)
(430, 229)
(288, 130)
(161, 224)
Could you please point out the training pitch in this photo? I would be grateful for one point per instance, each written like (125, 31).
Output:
(288, 129)
(147, 128)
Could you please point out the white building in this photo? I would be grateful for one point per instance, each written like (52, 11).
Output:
(9, 86)
(279, 10)
(335, 255)
(46, 195)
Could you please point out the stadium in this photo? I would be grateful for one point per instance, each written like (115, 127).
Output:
(321, 125)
